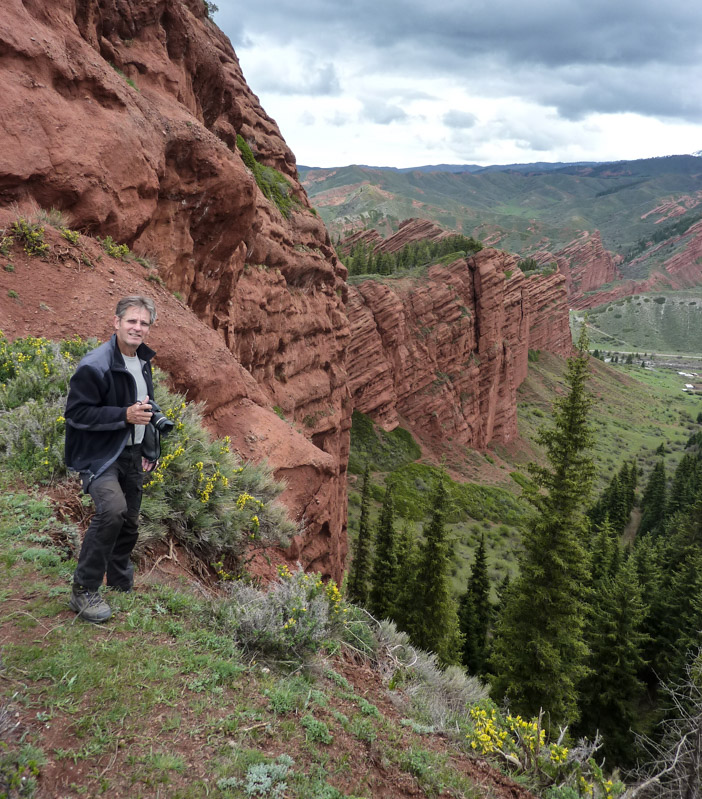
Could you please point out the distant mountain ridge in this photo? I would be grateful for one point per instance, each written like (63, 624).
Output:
(643, 216)
(457, 169)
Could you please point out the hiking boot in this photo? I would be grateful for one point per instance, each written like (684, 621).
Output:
(89, 605)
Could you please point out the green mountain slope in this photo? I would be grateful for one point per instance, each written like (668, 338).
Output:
(515, 210)
(664, 322)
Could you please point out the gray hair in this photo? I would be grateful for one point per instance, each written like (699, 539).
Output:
(136, 301)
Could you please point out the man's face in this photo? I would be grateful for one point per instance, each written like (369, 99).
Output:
(132, 329)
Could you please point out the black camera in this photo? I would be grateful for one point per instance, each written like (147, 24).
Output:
(160, 421)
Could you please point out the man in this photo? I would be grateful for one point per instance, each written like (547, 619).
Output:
(108, 408)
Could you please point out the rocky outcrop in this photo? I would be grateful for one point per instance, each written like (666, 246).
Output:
(586, 264)
(681, 270)
(685, 267)
(370, 238)
(447, 354)
(412, 230)
(124, 117)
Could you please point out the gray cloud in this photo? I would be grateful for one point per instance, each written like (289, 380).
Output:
(459, 119)
(310, 79)
(382, 113)
(641, 56)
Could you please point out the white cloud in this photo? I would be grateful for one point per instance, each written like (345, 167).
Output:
(406, 83)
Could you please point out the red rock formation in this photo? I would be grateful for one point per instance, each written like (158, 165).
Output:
(371, 238)
(448, 353)
(682, 270)
(412, 230)
(124, 117)
(586, 264)
(685, 267)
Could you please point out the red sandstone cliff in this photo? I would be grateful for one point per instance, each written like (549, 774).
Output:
(447, 353)
(124, 116)
(586, 264)
(412, 230)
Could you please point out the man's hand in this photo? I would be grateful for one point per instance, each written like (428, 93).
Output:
(140, 412)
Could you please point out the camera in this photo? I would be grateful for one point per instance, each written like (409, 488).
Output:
(160, 421)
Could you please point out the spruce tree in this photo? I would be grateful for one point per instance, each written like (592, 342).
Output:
(475, 613)
(686, 484)
(540, 654)
(653, 503)
(434, 625)
(359, 574)
(611, 695)
(407, 555)
(384, 578)
(602, 551)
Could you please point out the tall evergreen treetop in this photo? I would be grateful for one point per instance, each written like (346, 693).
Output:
(653, 503)
(435, 625)
(475, 613)
(359, 574)
(540, 651)
(383, 590)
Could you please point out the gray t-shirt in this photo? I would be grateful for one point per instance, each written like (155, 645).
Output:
(134, 366)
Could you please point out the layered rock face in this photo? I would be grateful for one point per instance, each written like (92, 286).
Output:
(124, 117)
(586, 264)
(448, 353)
(412, 230)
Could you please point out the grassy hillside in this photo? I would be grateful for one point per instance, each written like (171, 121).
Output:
(518, 211)
(665, 322)
(203, 683)
(635, 411)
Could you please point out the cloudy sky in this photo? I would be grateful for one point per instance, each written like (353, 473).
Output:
(412, 82)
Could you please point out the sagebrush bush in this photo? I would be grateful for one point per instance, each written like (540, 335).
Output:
(291, 619)
(205, 495)
(439, 696)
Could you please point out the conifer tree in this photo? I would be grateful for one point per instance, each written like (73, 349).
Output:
(434, 625)
(384, 578)
(359, 574)
(540, 652)
(612, 693)
(687, 482)
(602, 551)
(405, 602)
(653, 503)
(475, 613)
(683, 599)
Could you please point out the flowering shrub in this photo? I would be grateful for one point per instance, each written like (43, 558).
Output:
(205, 496)
(34, 376)
(113, 249)
(293, 617)
(523, 744)
(31, 236)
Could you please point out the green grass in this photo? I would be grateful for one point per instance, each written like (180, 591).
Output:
(635, 410)
(665, 322)
(384, 451)
(163, 700)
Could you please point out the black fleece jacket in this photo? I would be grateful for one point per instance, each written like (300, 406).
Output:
(100, 392)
